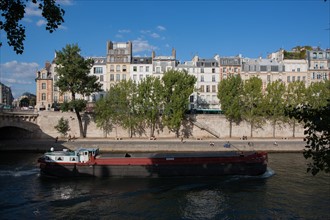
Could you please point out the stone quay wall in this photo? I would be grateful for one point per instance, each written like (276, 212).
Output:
(201, 126)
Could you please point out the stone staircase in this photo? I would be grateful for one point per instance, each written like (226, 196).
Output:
(205, 127)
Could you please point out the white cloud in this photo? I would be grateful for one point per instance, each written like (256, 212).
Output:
(65, 2)
(32, 10)
(20, 76)
(41, 22)
(161, 28)
(124, 31)
(154, 35)
(142, 45)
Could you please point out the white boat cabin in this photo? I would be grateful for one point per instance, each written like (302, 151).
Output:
(82, 155)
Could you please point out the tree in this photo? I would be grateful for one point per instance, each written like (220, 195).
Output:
(252, 102)
(295, 96)
(178, 86)
(274, 103)
(229, 94)
(13, 11)
(119, 107)
(318, 93)
(73, 71)
(150, 101)
(62, 126)
(317, 131)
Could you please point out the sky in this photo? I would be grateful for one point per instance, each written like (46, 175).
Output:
(193, 27)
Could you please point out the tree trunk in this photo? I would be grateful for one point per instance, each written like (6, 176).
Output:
(251, 134)
(294, 128)
(81, 130)
(230, 127)
(274, 127)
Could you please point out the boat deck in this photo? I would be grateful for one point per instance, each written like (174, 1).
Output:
(174, 154)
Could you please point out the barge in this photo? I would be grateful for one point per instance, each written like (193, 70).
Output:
(89, 162)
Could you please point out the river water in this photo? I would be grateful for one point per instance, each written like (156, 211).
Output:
(285, 191)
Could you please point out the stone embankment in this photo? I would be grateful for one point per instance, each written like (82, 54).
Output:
(161, 145)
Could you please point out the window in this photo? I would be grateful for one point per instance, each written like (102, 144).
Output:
(202, 78)
(274, 68)
(191, 98)
(140, 77)
(207, 88)
(213, 70)
(288, 79)
(134, 68)
(55, 98)
(304, 78)
(298, 69)
(298, 78)
(117, 77)
(43, 76)
(112, 68)
(123, 77)
(124, 68)
(263, 68)
(101, 78)
(43, 96)
(158, 69)
(140, 68)
(98, 70)
(112, 77)
(213, 78)
(147, 68)
(134, 77)
(201, 89)
(293, 78)
(214, 88)
(202, 70)
(43, 85)
(268, 78)
(117, 68)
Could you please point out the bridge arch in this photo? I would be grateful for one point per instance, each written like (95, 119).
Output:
(19, 126)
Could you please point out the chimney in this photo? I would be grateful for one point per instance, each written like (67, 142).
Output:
(173, 53)
(153, 54)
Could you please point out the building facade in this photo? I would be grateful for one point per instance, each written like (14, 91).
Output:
(119, 58)
(119, 64)
(6, 96)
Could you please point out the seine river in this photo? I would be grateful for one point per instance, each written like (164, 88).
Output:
(286, 191)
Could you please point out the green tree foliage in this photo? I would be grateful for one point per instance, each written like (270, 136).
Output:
(317, 131)
(274, 103)
(318, 94)
(119, 107)
(150, 101)
(178, 86)
(62, 126)
(295, 96)
(13, 11)
(299, 52)
(73, 71)
(229, 94)
(252, 102)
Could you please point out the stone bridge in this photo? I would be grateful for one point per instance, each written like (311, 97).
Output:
(19, 125)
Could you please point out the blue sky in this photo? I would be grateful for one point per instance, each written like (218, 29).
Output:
(203, 28)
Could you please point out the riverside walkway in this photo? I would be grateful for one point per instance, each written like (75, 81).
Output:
(159, 145)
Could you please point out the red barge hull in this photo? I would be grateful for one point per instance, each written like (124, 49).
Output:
(161, 165)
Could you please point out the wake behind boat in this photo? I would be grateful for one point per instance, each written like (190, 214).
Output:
(89, 162)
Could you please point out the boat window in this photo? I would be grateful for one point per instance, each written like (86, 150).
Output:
(59, 158)
(72, 159)
(85, 152)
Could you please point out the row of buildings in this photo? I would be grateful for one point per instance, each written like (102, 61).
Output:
(120, 64)
(6, 96)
